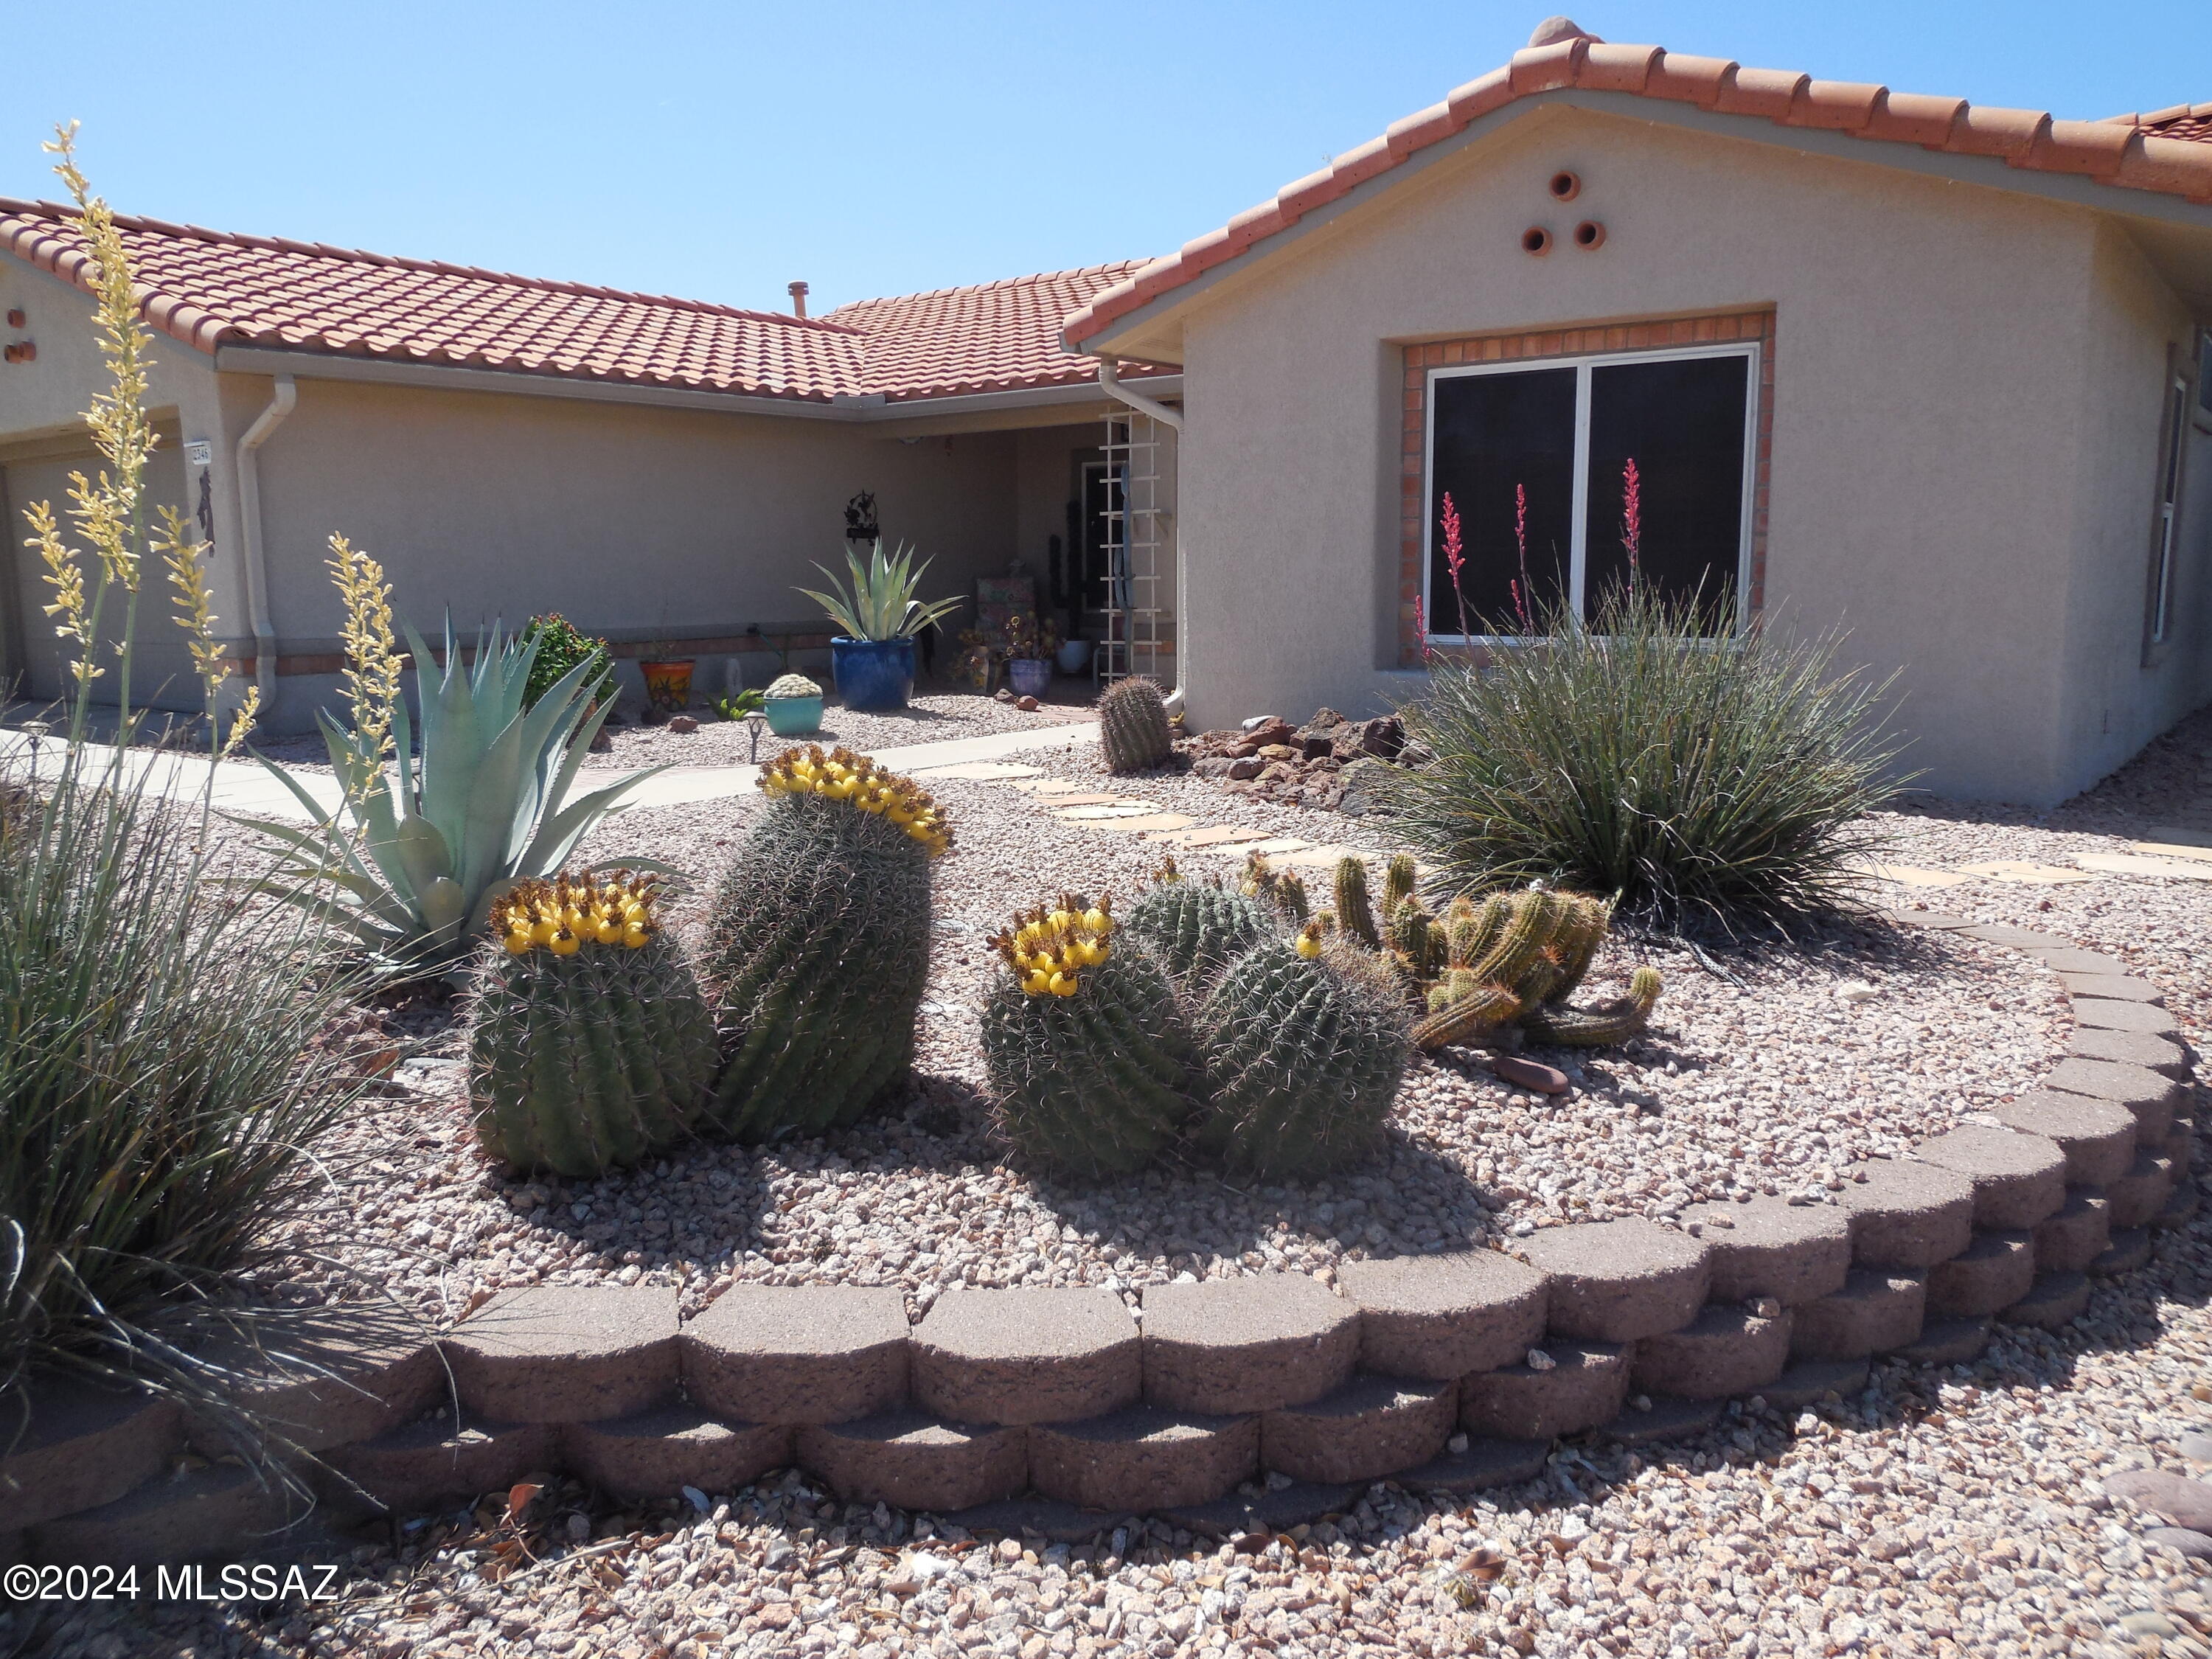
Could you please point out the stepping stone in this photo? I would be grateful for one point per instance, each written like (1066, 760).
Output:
(1792, 1252)
(1668, 1419)
(2102, 1014)
(2177, 847)
(1251, 1344)
(1614, 1281)
(1904, 875)
(2018, 938)
(1220, 835)
(1279, 845)
(2056, 1300)
(1586, 1384)
(1327, 857)
(1026, 1355)
(1441, 1316)
(2073, 1240)
(1276, 1509)
(915, 1462)
(1057, 802)
(2018, 1179)
(566, 1354)
(2026, 874)
(2135, 864)
(1485, 1463)
(980, 771)
(1120, 809)
(1938, 921)
(1371, 1427)
(1809, 1381)
(1147, 823)
(1046, 786)
(1142, 1459)
(2129, 1250)
(1947, 1342)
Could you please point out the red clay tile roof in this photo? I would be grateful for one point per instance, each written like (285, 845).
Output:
(2149, 156)
(208, 289)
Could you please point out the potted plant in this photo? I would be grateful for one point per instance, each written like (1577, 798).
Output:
(668, 683)
(873, 658)
(1029, 647)
(794, 707)
(971, 669)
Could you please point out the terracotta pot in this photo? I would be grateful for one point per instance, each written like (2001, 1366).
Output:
(668, 685)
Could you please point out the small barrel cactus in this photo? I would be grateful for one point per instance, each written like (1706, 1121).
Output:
(1134, 733)
(1195, 928)
(818, 944)
(1090, 1063)
(590, 1045)
(1302, 1062)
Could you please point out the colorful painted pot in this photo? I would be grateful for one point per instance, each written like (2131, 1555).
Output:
(668, 685)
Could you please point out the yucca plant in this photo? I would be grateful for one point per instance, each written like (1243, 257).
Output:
(880, 603)
(416, 853)
(1701, 775)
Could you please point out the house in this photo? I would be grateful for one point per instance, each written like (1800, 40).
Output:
(1933, 374)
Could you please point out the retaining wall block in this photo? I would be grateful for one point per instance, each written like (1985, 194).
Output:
(2180, 1207)
(1809, 1382)
(1586, 1385)
(1222, 1347)
(1948, 1341)
(1485, 1463)
(2054, 1299)
(2070, 1241)
(214, 1511)
(2180, 1146)
(2096, 1137)
(423, 1464)
(566, 1354)
(1724, 1351)
(1027, 1356)
(2154, 1054)
(658, 1452)
(2019, 1180)
(2096, 1014)
(2129, 1250)
(2153, 1096)
(1878, 1309)
(1613, 1281)
(915, 1460)
(73, 1444)
(1906, 1214)
(2142, 1193)
(1441, 1316)
(1659, 1420)
(799, 1353)
(1143, 1458)
(1371, 1427)
(1993, 1272)
(1769, 1246)
(327, 1378)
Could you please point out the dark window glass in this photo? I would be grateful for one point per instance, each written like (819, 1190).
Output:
(1493, 432)
(1681, 422)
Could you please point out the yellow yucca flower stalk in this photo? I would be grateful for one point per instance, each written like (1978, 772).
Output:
(66, 577)
(372, 654)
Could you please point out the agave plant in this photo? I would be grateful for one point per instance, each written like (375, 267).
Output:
(880, 604)
(414, 857)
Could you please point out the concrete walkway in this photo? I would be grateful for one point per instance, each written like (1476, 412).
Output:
(245, 785)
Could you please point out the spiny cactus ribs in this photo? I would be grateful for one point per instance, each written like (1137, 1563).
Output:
(818, 944)
(590, 1045)
(1134, 732)
(1196, 928)
(1089, 1059)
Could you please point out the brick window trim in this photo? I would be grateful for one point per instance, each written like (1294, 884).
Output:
(1721, 328)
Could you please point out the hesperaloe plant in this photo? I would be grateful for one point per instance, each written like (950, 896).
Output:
(880, 604)
(416, 852)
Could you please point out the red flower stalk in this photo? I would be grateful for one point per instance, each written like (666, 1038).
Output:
(1455, 557)
(1632, 518)
(1421, 631)
(1521, 550)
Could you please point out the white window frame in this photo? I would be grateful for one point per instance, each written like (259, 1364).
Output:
(2174, 423)
(1578, 535)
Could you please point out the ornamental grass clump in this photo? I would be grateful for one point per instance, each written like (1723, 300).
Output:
(1700, 775)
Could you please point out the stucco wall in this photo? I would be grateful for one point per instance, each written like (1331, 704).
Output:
(1942, 351)
(636, 521)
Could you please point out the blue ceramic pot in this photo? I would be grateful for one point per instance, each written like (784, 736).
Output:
(1030, 677)
(873, 673)
(794, 717)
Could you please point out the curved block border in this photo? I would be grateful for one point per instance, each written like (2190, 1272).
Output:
(1058, 1393)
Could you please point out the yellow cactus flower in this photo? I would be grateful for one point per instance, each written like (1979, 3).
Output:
(609, 930)
(517, 944)
(635, 935)
(1037, 984)
(1097, 919)
(565, 943)
(1062, 985)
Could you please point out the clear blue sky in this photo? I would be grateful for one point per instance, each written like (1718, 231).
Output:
(720, 150)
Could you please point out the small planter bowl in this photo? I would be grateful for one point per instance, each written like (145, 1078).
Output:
(1030, 677)
(794, 717)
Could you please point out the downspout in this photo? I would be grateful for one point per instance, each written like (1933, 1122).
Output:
(251, 550)
(1172, 419)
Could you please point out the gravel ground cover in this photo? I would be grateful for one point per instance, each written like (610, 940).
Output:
(1951, 1511)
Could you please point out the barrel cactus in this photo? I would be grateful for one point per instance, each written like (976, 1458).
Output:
(1302, 1062)
(1134, 733)
(590, 1045)
(818, 944)
(1090, 1062)
(1196, 928)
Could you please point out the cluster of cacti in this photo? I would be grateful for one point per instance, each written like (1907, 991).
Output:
(1088, 1054)
(1103, 1041)
(589, 1044)
(818, 944)
(1509, 961)
(1281, 890)
(1302, 1062)
(1196, 928)
(1134, 733)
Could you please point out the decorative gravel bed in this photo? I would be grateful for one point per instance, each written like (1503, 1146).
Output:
(1853, 1045)
(935, 717)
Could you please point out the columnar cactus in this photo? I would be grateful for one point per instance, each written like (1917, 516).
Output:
(1195, 928)
(1282, 891)
(1134, 733)
(1355, 914)
(818, 944)
(1611, 1022)
(590, 1046)
(1516, 959)
(1302, 1062)
(1090, 1062)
